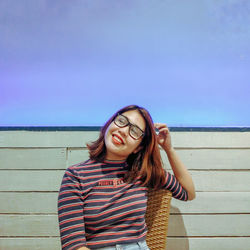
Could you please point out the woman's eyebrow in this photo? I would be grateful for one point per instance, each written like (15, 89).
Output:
(133, 123)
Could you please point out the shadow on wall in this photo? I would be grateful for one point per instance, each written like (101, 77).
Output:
(177, 234)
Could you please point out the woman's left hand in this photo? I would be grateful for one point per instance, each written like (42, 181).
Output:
(163, 137)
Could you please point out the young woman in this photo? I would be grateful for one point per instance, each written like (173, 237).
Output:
(102, 201)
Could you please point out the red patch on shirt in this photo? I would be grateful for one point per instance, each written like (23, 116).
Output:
(114, 182)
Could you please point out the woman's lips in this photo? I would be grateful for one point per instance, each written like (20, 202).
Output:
(117, 139)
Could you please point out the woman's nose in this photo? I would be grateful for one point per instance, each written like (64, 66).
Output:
(124, 131)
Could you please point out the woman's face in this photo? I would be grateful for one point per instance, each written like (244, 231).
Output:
(119, 143)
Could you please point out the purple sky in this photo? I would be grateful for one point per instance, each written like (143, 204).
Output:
(77, 62)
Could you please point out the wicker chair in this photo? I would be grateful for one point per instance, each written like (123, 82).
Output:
(157, 214)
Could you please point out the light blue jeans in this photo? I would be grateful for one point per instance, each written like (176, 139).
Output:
(141, 245)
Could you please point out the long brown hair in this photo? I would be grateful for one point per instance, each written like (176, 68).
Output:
(147, 162)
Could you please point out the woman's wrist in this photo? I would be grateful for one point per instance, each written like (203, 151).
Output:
(168, 149)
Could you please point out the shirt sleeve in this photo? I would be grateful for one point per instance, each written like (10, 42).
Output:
(70, 212)
(173, 185)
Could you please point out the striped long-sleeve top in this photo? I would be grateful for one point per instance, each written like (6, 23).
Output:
(96, 208)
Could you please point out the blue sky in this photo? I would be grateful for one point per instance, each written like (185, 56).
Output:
(74, 63)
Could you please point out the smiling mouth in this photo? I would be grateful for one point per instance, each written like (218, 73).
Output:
(117, 139)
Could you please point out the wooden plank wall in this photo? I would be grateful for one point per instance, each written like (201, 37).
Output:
(32, 165)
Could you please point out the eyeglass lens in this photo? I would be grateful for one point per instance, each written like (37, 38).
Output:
(134, 131)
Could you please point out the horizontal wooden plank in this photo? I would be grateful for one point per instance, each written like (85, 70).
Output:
(80, 138)
(30, 180)
(12, 202)
(46, 139)
(55, 158)
(50, 180)
(211, 202)
(29, 225)
(30, 243)
(203, 159)
(76, 155)
(33, 158)
(211, 139)
(212, 159)
(226, 243)
(179, 225)
(209, 225)
(221, 181)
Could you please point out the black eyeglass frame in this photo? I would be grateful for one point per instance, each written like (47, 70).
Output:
(128, 124)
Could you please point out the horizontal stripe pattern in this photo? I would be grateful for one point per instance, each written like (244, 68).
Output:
(173, 185)
(97, 208)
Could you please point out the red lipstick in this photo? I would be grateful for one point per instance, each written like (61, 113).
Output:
(117, 139)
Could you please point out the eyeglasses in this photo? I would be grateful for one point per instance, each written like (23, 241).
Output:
(134, 131)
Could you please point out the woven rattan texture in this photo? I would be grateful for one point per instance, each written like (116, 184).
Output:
(157, 214)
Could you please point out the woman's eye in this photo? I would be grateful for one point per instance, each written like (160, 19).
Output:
(122, 120)
(134, 130)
